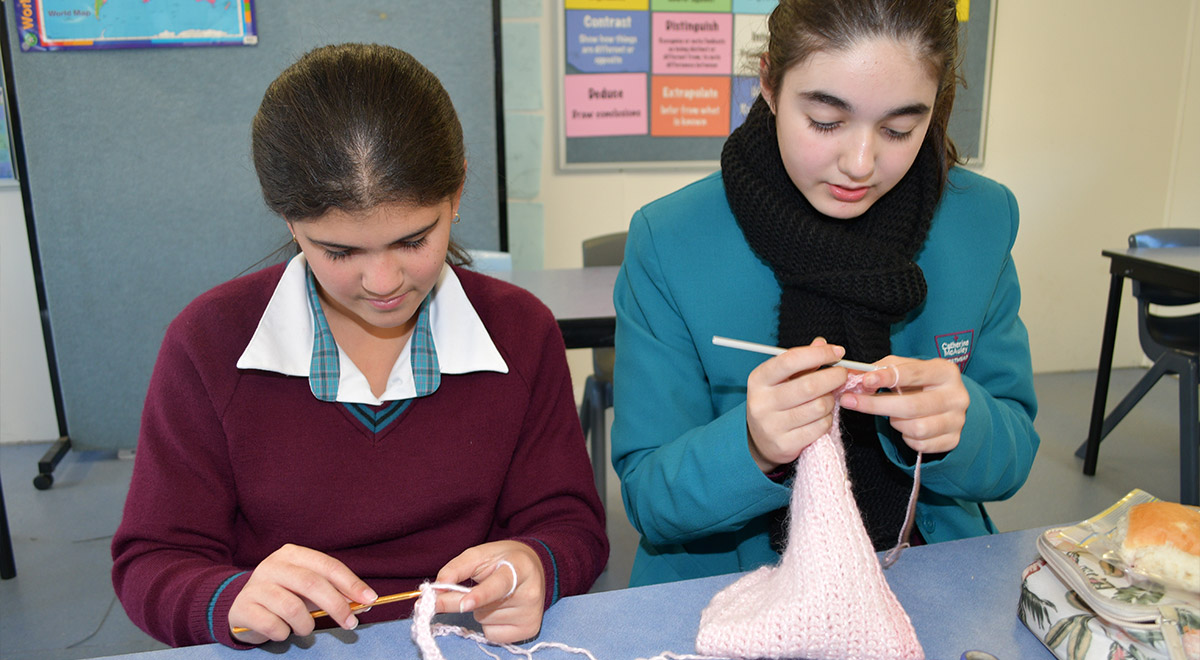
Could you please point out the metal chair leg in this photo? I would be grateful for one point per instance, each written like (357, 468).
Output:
(1189, 434)
(585, 408)
(1147, 381)
(592, 417)
(599, 439)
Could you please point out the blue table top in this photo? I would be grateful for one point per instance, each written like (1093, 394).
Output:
(960, 595)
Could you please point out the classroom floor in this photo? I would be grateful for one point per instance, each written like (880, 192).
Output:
(61, 605)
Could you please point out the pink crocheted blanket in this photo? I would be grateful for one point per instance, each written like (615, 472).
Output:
(827, 599)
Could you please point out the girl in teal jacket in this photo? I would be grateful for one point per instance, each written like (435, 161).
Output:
(838, 226)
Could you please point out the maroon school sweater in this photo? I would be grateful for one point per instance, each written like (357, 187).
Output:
(232, 464)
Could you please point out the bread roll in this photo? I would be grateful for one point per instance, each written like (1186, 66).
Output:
(1162, 542)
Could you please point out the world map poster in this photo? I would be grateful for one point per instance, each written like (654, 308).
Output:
(49, 25)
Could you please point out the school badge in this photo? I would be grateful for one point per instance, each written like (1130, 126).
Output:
(956, 347)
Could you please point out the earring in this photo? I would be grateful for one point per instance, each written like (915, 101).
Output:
(457, 219)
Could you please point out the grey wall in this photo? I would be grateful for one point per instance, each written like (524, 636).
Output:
(144, 195)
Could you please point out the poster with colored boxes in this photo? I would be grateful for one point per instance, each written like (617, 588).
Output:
(662, 83)
(656, 82)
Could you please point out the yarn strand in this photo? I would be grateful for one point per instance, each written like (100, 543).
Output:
(906, 532)
(513, 570)
(902, 541)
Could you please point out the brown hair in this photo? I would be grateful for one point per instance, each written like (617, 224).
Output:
(352, 126)
(799, 28)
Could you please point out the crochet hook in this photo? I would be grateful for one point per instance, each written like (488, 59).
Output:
(356, 607)
(775, 350)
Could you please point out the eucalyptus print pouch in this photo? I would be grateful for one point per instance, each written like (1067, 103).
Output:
(1079, 600)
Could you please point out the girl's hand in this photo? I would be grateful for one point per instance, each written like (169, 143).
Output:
(789, 402)
(286, 586)
(508, 603)
(930, 409)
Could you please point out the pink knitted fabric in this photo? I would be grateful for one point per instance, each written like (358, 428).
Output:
(827, 598)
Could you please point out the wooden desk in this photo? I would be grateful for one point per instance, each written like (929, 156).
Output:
(580, 298)
(1178, 268)
(960, 595)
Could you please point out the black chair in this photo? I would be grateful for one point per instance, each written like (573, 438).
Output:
(607, 250)
(1173, 343)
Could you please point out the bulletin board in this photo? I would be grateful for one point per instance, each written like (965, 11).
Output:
(143, 195)
(658, 84)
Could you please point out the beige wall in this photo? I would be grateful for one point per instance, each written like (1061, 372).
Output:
(1183, 198)
(1087, 111)
(1094, 122)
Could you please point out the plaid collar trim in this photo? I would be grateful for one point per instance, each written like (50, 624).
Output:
(325, 370)
(427, 376)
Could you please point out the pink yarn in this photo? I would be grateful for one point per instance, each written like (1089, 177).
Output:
(425, 632)
(423, 629)
(827, 599)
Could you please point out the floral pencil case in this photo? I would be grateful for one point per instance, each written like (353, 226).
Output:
(1086, 606)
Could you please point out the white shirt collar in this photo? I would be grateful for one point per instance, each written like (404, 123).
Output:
(283, 341)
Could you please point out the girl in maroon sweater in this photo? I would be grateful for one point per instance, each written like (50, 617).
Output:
(367, 416)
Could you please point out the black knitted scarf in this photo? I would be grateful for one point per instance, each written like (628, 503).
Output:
(847, 280)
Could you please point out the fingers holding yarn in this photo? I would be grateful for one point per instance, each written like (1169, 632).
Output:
(509, 591)
(498, 569)
(498, 585)
(891, 373)
(927, 406)
(907, 373)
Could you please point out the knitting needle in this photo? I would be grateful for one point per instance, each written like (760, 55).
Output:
(775, 350)
(356, 607)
